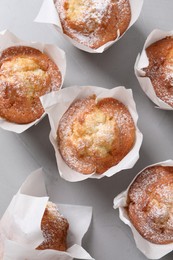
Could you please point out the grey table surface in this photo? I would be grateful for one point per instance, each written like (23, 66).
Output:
(108, 238)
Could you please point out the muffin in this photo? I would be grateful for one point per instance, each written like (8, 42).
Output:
(54, 227)
(94, 135)
(92, 22)
(25, 74)
(150, 204)
(160, 68)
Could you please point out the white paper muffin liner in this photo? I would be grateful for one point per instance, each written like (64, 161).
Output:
(56, 104)
(150, 250)
(143, 62)
(20, 231)
(48, 14)
(8, 39)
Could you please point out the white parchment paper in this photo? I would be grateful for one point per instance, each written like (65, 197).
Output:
(143, 62)
(48, 14)
(7, 39)
(56, 104)
(20, 231)
(150, 250)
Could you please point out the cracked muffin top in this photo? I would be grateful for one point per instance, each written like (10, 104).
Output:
(150, 204)
(94, 22)
(94, 135)
(25, 74)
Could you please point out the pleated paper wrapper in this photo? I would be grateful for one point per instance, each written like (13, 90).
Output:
(20, 225)
(48, 14)
(150, 250)
(8, 39)
(143, 62)
(56, 104)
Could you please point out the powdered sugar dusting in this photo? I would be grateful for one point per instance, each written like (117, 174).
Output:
(160, 69)
(25, 75)
(150, 201)
(95, 136)
(54, 227)
(93, 22)
(169, 73)
(87, 12)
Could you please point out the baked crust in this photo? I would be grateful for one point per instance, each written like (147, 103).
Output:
(54, 227)
(95, 135)
(92, 22)
(150, 204)
(25, 75)
(160, 69)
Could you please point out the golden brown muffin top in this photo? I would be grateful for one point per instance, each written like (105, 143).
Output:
(160, 68)
(25, 75)
(150, 204)
(95, 135)
(94, 22)
(54, 227)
